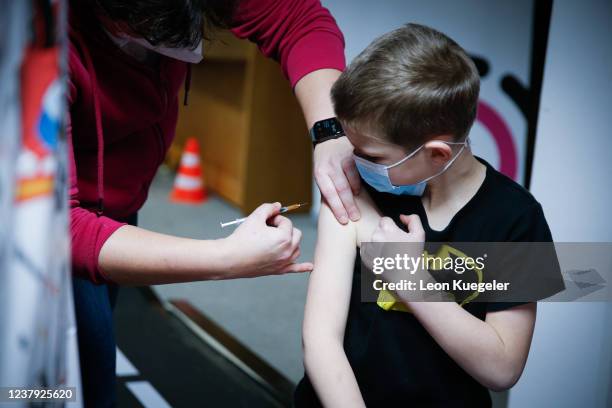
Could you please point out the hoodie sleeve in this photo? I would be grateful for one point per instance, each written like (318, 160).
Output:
(88, 231)
(301, 34)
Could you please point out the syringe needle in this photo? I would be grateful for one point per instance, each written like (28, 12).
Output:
(281, 211)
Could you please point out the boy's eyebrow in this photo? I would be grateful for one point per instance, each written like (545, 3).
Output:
(360, 152)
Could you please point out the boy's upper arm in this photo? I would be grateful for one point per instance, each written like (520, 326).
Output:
(329, 288)
(370, 216)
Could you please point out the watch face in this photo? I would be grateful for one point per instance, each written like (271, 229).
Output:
(327, 128)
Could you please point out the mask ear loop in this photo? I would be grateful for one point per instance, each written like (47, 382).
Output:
(450, 163)
(464, 143)
(405, 158)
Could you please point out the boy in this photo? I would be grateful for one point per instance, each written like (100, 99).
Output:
(407, 103)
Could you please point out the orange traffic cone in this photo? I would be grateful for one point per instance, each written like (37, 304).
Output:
(188, 185)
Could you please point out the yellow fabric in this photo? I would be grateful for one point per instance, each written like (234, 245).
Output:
(387, 301)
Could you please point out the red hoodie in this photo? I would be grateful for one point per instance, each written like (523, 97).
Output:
(123, 113)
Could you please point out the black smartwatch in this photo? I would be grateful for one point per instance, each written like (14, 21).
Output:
(326, 129)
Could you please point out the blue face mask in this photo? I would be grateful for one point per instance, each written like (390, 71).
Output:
(377, 175)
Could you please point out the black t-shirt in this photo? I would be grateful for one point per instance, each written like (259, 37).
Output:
(394, 358)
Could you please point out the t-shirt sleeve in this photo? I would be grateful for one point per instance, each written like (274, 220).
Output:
(530, 226)
(529, 261)
(301, 34)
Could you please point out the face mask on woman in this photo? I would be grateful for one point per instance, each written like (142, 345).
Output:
(377, 175)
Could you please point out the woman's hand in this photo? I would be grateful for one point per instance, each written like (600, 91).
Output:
(266, 243)
(334, 167)
(337, 177)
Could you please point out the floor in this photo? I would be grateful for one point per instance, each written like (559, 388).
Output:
(263, 313)
(186, 373)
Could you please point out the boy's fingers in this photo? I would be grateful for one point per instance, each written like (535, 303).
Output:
(328, 190)
(386, 223)
(412, 222)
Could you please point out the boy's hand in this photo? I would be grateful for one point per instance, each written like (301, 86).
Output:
(337, 177)
(388, 231)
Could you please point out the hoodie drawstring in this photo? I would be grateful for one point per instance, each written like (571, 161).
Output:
(187, 84)
(98, 118)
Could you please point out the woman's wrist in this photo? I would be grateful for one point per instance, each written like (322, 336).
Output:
(313, 94)
(218, 259)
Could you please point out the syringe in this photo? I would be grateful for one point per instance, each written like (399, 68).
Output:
(281, 211)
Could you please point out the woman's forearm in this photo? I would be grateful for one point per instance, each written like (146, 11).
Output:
(313, 94)
(331, 374)
(135, 256)
(266, 243)
(475, 344)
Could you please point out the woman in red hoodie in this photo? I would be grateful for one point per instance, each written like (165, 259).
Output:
(127, 62)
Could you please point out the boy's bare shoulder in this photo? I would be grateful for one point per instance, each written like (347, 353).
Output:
(361, 230)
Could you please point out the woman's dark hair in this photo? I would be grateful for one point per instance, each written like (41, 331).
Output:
(171, 23)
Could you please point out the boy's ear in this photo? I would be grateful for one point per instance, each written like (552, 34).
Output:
(439, 152)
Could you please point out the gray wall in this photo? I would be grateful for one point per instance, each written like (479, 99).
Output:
(570, 363)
